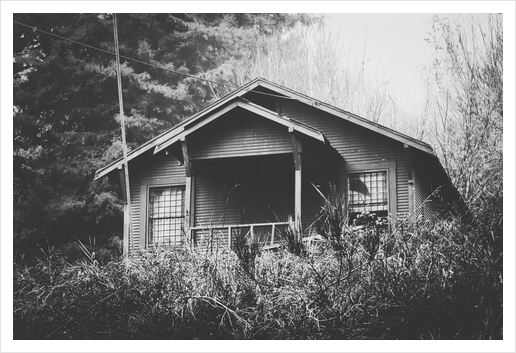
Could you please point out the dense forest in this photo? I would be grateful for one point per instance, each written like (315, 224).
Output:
(66, 126)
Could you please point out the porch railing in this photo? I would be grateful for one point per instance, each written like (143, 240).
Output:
(267, 234)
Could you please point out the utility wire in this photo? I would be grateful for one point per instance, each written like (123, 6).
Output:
(124, 57)
(145, 63)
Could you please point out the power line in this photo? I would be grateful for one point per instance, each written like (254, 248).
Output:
(145, 63)
(124, 57)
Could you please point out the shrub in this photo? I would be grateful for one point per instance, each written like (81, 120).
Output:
(421, 280)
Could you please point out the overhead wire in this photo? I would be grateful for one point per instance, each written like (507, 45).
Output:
(144, 62)
(125, 57)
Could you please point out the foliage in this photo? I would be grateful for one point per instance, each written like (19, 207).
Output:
(425, 280)
(467, 109)
(430, 280)
(315, 61)
(65, 107)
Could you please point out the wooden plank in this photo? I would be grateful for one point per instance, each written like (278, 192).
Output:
(192, 204)
(126, 231)
(240, 225)
(295, 142)
(298, 182)
(188, 204)
(297, 200)
(410, 172)
(189, 216)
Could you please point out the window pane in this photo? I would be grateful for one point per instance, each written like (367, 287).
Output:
(166, 215)
(367, 192)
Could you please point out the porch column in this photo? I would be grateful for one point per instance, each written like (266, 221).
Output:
(410, 169)
(188, 189)
(296, 151)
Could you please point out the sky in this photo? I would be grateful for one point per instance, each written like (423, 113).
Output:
(395, 48)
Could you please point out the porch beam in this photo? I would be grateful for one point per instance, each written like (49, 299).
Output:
(296, 144)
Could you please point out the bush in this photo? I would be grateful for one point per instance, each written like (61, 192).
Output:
(421, 280)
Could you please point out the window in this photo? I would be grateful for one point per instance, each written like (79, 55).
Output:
(368, 192)
(166, 215)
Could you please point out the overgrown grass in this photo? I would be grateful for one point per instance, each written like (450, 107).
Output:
(425, 280)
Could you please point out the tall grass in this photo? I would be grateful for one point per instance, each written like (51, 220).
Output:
(425, 280)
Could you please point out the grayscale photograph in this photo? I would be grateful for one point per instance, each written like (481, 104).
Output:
(256, 176)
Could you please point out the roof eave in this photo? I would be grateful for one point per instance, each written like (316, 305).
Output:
(420, 145)
(251, 107)
(170, 133)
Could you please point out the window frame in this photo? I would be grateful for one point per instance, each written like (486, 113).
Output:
(146, 185)
(386, 166)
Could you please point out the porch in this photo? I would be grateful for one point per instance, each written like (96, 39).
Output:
(251, 177)
(252, 197)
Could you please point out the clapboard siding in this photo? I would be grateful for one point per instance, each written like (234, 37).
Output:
(354, 143)
(216, 203)
(246, 190)
(152, 168)
(238, 134)
(402, 195)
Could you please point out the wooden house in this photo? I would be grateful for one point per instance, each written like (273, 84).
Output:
(250, 163)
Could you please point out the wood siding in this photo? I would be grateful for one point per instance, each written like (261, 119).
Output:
(216, 202)
(243, 190)
(355, 144)
(145, 171)
(241, 160)
(238, 134)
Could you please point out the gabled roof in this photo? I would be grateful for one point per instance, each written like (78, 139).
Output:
(291, 124)
(233, 100)
(368, 124)
(170, 137)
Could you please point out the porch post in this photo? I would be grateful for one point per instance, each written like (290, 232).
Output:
(297, 201)
(296, 150)
(127, 229)
(410, 169)
(188, 189)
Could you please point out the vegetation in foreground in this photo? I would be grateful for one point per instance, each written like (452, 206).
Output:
(423, 280)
